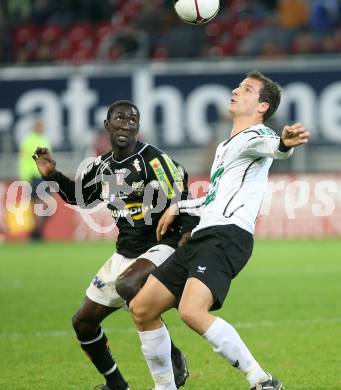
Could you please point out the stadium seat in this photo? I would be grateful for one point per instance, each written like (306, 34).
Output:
(102, 30)
(79, 34)
(25, 43)
(214, 29)
(51, 33)
(24, 34)
(63, 54)
(129, 10)
(160, 53)
(83, 55)
(243, 27)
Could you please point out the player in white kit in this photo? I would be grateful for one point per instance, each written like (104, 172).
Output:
(197, 277)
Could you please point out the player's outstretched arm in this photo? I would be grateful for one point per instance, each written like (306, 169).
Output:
(45, 163)
(295, 135)
(90, 188)
(273, 146)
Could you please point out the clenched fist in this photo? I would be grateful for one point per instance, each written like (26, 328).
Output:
(45, 163)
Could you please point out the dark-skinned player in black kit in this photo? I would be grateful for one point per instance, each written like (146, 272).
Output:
(122, 177)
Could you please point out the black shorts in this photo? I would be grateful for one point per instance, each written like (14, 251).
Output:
(214, 255)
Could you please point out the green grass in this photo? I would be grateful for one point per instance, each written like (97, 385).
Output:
(285, 304)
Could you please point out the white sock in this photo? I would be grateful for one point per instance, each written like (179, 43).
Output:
(156, 347)
(227, 342)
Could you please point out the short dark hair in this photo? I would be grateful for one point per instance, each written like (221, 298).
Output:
(270, 93)
(121, 103)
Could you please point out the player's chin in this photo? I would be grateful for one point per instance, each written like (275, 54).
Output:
(120, 143)
(232, 107)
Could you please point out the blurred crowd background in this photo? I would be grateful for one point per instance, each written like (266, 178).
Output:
(82, 31)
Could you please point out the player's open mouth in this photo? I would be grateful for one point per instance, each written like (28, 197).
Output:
(122, 138)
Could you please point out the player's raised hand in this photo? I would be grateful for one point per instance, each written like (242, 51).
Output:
(295, 135)
(45, 163)
(166, 220)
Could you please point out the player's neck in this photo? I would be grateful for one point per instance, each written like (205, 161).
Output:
(242, 123)
(122, 153)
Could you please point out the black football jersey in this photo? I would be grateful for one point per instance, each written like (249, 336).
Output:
(137, 190)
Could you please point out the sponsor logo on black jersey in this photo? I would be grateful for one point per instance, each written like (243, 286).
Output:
(137, 165)
(137, 211)
(138, 187)
(120, 175)
(161, 175)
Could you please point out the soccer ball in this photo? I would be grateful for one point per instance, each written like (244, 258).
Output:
(196, 11)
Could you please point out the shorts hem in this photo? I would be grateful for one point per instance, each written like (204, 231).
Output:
(172, 291)
(102, 302)
(217, 304)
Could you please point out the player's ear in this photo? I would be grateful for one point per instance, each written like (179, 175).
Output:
(263, 107)
(106, 124)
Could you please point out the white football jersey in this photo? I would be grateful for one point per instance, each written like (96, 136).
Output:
(238, 179)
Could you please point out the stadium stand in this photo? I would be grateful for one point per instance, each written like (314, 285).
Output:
(79, 31)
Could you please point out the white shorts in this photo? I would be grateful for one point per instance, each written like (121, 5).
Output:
(102, 288)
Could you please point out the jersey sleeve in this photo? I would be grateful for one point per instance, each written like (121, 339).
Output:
(170, 175)
(191, 206)
(84, 191)
(187, 221)
(267, 144)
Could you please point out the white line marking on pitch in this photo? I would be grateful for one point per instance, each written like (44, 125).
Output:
(240, 325)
